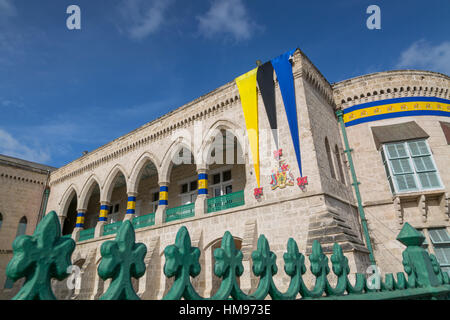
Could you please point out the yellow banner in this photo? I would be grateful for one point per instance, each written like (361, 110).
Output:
(249, 99)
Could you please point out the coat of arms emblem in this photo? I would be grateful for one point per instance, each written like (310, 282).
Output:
(282, 176)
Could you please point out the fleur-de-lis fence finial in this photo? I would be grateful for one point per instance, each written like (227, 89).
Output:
(39, 258)
(182, 262)
(122, 259)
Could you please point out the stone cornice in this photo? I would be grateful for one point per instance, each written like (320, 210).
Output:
(390, 84)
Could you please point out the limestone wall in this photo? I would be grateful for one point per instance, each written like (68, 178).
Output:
(386, 212)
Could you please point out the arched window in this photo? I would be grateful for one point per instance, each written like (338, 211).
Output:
(339, 164)
(330, 159)
(22, 228)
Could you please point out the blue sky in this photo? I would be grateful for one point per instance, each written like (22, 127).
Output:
(64, 91)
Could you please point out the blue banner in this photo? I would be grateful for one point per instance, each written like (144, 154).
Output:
(283, 70)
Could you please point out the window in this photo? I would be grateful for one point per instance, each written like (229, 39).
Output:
(22, 228)
(330, 159)
(155, 201)
(440, 241)
(222, 183)
(339, 165)
(137, 209)
(113, 215)
(446, 129)
(193, 185)
(410, 166)
(1, 220)
(9, 283)
(189, 192)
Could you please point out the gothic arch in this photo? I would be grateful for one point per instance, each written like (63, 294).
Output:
(108, 184)
(67, 198)
(138, 166)
(87, 189)
(214, 128)
(167, 164)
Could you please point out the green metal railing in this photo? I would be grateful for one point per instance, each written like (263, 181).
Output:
(144, 221)
(46, 255)
(227, 201)
(86, 234)
(111, 228)
(181, 212)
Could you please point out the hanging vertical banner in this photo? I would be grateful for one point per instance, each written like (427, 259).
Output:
(267, 88)
(283, 70)
(249, 99)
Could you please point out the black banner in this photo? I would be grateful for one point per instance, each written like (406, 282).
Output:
(267, 88)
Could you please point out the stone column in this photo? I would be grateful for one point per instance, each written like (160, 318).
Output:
(131, 206)
(160, 215)
(201, 206)
(79, 224)
(102, 218)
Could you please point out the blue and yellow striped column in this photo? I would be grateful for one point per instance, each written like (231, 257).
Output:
(163, 195)
(131, 204)
(202, 183)
(104, 210)
(80, 219)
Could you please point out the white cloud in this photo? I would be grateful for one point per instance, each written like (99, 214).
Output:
(143, 17)
(12, 147)
(227, 17)
(424, 55)
(7, 9)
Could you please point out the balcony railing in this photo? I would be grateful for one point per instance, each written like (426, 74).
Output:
(86, 234)
(227, 201)
(111, 228)
(144, 221)
(181, 212)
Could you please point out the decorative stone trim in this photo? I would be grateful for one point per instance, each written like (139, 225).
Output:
(390, 84)
(21, 179)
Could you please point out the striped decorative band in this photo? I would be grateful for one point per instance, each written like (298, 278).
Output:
(398, 107)
(202, 176)
(202, 183)
(163, 195)
(80, 220)
(131, 205)
(104, 209)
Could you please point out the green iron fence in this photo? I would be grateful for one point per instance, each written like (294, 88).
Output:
(86, 234)
(227, 201)
(111, 228)
(181, 212)
(46, 255)
(144, 221)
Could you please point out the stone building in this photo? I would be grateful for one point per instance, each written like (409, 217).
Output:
(23, 197)
(375, 151)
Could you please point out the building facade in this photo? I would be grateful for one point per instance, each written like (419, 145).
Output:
(23, 196)
(374, 154)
